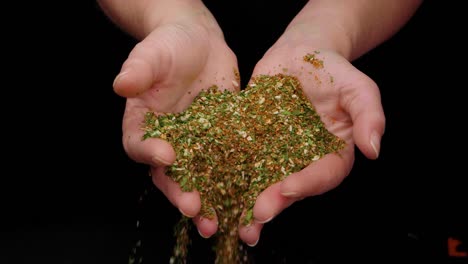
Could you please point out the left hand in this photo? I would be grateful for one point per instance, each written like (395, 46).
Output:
(349, 104)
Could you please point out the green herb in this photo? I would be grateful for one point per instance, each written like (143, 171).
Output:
(232, 146)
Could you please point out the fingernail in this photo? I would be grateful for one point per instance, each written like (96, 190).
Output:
(375, 143)
(118, 77)
(254, 244)
(201, 234)
(159, 161)
(187, 215)
(264, 221)
(290, 194)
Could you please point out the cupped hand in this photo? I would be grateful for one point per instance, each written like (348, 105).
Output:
(163, 73)
(349, 104)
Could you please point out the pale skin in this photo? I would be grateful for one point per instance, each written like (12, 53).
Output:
(182, 50)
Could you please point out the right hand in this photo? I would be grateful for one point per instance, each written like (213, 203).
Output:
(163, 73)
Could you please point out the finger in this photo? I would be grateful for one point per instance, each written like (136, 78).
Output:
(363, 103)
(171, 52)
(188, 203)
(270, 203)
(174, 56)
(250, 234)
(151, 151)
(206, 227)
(319, 177)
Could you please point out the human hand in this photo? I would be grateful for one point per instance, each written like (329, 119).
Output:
(349, 104)
(163, 73)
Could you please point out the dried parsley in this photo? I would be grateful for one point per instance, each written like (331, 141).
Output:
(231, 146)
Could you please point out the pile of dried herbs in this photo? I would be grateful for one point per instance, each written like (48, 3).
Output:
(232, 146)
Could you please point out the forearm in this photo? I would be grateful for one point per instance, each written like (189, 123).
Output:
(140, 17)
(350, 27)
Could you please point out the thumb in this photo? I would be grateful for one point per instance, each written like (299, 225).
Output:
(142, 68)
(168, 50)
(362, 101)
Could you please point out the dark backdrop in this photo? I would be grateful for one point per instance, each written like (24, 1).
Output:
(72, 196)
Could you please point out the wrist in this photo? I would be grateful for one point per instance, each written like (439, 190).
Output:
(184, 12)
(329, 37)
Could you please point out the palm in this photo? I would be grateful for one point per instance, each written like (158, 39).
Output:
(192, 60)
(327, 87)
(349, 104)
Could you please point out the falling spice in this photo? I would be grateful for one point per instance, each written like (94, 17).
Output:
(230, 146)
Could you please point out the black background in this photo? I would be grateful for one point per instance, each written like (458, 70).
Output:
(70, 195)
